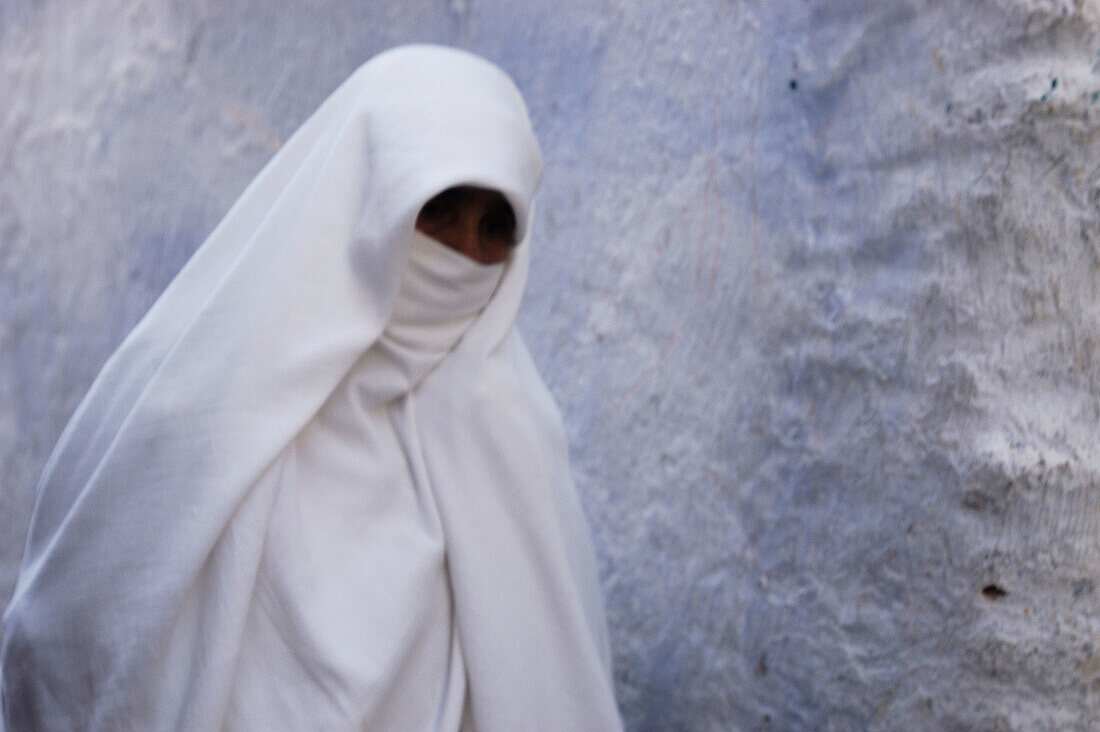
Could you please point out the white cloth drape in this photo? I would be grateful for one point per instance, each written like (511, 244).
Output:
(321, 484)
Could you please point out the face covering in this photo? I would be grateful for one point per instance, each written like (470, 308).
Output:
(442, 292)
(321, 484)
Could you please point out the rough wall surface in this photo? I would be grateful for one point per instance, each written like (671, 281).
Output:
(816, 285)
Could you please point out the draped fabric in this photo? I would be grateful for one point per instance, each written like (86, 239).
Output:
(321, 484)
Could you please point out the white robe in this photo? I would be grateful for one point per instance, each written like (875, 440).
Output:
(321, 484)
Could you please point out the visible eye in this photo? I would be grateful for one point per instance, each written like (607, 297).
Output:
(498, 224)
(440, 210)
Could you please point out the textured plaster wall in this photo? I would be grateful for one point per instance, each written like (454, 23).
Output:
(816, 284)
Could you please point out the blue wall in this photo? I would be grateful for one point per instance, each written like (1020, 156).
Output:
(815, 285)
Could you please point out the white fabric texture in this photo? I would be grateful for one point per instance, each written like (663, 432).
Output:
(321, 484)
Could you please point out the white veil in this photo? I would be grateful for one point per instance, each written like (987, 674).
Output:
(235, 528)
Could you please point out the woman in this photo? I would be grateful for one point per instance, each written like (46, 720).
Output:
(321, 485)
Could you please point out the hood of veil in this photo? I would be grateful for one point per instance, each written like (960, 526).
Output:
(300, 277)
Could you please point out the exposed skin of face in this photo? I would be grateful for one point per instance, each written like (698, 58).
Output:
(473, 221)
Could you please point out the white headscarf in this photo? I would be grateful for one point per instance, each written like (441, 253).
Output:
(321, 485)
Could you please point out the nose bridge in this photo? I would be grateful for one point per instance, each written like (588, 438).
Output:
(469, 226)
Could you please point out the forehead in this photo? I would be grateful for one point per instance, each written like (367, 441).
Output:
(471, 196)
